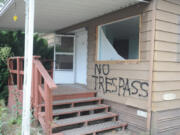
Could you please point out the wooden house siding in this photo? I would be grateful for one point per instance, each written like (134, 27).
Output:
(166, 70)
(134, 71)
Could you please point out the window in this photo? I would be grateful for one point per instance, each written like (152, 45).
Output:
(64, 53)
(119, 40)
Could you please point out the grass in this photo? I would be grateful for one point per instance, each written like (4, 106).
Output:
(10, 123)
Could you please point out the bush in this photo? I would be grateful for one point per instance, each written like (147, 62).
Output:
(5, 53)
(13, 43)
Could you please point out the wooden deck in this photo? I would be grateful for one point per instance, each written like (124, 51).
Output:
(72, 91)
(70, 109)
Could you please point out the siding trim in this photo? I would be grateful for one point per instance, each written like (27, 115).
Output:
(149, 110)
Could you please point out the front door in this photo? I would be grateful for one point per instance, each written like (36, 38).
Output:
(64, 60)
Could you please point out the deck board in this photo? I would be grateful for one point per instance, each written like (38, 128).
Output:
(70, 89)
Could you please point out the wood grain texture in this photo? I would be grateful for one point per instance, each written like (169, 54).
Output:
(167, 55)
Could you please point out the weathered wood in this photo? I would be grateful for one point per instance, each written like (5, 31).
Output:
(167, 56)
(45, 75)
(48, 107)
(169, 7)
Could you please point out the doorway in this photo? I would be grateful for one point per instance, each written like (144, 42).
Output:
(70, 58)
(64, 56)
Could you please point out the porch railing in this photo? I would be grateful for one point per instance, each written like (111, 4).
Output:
(42, 86)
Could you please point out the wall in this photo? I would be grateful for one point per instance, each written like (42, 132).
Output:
(130, 78)
(166, 70)
(166, 79)
(127, 74)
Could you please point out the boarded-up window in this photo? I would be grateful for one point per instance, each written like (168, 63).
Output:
(119, 40)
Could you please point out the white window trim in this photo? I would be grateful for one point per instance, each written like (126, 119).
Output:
(64, 53)
(117, 61)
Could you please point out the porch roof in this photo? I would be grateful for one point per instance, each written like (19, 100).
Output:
(51, 15)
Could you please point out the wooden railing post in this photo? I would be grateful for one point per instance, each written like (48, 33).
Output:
(18, 73)
(21, 75)
(33, 84)
(48, 106)
(36, 91)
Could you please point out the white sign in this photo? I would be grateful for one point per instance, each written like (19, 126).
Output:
(142, 113)
(169, 96)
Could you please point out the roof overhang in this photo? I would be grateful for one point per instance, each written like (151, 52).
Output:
(51, 15)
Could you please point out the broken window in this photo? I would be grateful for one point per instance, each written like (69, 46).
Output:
(119, 40)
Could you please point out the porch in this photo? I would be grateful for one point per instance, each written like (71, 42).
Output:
(66, 109)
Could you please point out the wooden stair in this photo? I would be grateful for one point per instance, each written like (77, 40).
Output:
(82, 116)
(93, 129)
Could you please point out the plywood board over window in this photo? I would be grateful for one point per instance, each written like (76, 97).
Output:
(118, 41)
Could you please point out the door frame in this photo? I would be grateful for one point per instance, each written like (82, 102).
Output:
(74, 32)
(74, 56)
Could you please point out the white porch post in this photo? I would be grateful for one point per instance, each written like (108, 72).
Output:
(29, 32)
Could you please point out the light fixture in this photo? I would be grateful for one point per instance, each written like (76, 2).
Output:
(15, 17)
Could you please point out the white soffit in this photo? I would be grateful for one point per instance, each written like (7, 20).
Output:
(51, 15)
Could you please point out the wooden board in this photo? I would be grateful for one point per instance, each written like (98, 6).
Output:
(166, 68)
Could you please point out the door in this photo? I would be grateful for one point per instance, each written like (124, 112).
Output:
(81, 56)
(64, 59)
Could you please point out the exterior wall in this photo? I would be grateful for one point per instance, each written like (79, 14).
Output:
(129, 71)
(166, 70)
(136, 124)
(166, 122)
(166, 75)
(133, 71)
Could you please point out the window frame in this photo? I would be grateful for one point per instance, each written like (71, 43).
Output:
(118, 61)
(65, 53)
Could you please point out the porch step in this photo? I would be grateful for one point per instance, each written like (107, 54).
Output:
(78, 100)
(83, 119)
(79, 109)
(93, 129)
(74, 95)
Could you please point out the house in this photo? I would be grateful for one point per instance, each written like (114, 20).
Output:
(126, 51)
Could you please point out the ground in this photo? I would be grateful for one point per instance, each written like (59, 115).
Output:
(115, 132)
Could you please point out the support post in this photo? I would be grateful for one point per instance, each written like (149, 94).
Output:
(29, 31)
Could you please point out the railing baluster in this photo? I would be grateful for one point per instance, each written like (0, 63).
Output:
(21, 76)
(18, 73)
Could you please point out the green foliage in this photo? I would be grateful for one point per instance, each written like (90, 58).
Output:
(5, 53)
(3, 114)
(10, 124)
(12, 43)
(15, 40)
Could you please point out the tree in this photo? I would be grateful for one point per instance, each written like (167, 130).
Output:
(15, 41)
